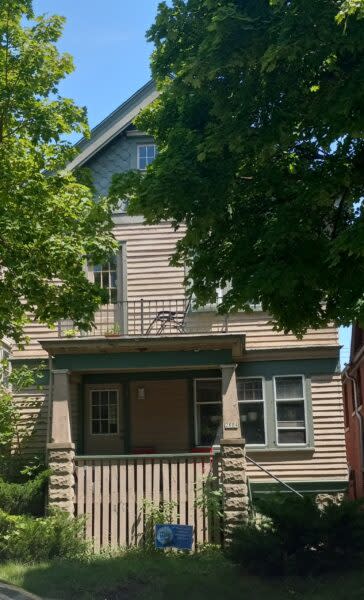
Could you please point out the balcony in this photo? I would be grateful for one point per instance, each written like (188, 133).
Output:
(148, 317)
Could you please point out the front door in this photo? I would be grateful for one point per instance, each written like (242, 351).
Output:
(104, 426)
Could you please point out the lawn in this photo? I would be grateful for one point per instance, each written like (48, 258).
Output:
(153, 577)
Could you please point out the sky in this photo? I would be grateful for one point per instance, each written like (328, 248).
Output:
(107, 41)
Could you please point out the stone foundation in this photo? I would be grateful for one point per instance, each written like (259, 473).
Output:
(235, 488)
(62, 481)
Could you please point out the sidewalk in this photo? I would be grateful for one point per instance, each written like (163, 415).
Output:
(9, 592)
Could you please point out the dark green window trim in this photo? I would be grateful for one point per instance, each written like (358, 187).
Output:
(261, 489)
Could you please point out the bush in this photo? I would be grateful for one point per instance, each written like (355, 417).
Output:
(295, 536)
(28, 539)
(24, 498)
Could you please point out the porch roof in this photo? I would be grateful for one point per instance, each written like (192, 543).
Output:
(167, 343)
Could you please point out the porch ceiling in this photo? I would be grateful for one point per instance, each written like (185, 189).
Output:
(102, 345)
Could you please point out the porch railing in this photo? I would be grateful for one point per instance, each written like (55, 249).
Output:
(114, 493)
(146, 317)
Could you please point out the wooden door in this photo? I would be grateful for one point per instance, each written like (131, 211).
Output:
(104, 425)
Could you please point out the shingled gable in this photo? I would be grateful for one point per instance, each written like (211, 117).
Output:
(114, 124)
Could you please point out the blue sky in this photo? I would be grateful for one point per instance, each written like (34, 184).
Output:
(111, 55)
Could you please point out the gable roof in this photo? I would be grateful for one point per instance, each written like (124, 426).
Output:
(114, 124)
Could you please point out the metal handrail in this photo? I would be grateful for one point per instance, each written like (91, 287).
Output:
(274, 476)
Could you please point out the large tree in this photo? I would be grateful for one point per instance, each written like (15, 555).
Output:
(260, 126)
(49, 223)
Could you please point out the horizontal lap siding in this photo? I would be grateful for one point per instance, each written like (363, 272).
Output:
(150, 276)
(33, 421)
(328, 460)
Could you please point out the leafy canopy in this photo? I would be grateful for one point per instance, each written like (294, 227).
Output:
(259, 125)
(49, 222)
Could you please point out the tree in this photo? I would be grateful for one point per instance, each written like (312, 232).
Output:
(49, 222)
(259, 125)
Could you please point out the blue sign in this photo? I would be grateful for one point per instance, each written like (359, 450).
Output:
(174, 536)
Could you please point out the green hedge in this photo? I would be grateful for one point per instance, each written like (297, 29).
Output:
(28, 539)
(295, 536)
(24, 498)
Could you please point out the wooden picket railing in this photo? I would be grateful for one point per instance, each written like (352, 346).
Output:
(114, 492)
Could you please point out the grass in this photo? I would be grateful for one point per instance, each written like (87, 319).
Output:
(135, 575)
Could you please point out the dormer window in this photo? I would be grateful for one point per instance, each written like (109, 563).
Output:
(146, 155)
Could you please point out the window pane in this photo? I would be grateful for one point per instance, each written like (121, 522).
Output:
(95, 426)
(291, 436)
(113, 396)
(289, 387)
(291, 414)
(95, 397)
(252, 422)
(208, 391)
(95, 411)
(104, 397)
(105, 279)
(97, 278)
(113, 428)
(250, 389)
(209, 421)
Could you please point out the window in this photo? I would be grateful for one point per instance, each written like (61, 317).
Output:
(146, 155)
(4, 367)
(105, 277)
(251, 408)
(104, 412)
(290, 410)
(208, 411)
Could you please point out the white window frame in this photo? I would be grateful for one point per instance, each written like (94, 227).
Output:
(148, 145)
(304, 400)
(264, 408)
(196, 404)
(99, 390)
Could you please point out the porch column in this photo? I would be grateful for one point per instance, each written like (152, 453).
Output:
(61, 450)
(234, 478)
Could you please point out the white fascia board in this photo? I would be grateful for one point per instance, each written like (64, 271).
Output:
(102, 140)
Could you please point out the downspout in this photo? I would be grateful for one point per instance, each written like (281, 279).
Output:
(50, 401)
(357, 414)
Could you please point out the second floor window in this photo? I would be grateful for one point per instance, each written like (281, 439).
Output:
(146, 155)
(105, 277)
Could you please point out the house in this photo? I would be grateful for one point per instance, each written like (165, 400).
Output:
(159, 395)
(353, 393)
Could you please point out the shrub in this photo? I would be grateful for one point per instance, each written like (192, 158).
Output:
(28, 539)
(295, 536)
(24, 498)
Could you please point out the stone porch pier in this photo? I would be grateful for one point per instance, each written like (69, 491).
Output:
(234, 477)
(61, 450)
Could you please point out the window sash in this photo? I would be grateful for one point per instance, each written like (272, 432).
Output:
(245, 402)
(290, 425)
(146, 154)
(104, 415)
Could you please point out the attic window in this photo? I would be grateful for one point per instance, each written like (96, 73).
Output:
(146, 155)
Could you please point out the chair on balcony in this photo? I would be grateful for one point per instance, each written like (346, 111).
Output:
(169, 320)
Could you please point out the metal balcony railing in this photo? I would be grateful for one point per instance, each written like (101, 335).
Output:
(146, 317)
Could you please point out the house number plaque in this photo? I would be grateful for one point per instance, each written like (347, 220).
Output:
(231, 425)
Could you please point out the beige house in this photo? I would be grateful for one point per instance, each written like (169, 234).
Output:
(147, 403)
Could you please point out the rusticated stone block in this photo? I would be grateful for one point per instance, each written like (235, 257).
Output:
(61, 468)
(233, 464)
(233, 452)
(238, 476)
(62, 480)
(61, 456)
(235, 503)
(233, 489)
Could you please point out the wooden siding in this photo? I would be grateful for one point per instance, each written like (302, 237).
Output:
(33, 410)
(150, 276)
(328, 460)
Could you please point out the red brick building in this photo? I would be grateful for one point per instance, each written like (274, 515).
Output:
(353, 394)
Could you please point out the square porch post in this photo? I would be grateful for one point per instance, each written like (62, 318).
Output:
(234, 478)
(61, 450)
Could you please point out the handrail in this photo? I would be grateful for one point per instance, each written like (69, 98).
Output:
(136, 456)
(273, 476)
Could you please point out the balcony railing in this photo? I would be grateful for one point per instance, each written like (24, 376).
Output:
(147, 317)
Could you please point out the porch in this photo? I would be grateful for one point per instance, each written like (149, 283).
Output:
(143, 435)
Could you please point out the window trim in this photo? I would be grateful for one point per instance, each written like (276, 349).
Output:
(265, 445)
(303, 399)
(99, 390)
(148, 144)
(195, 405)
